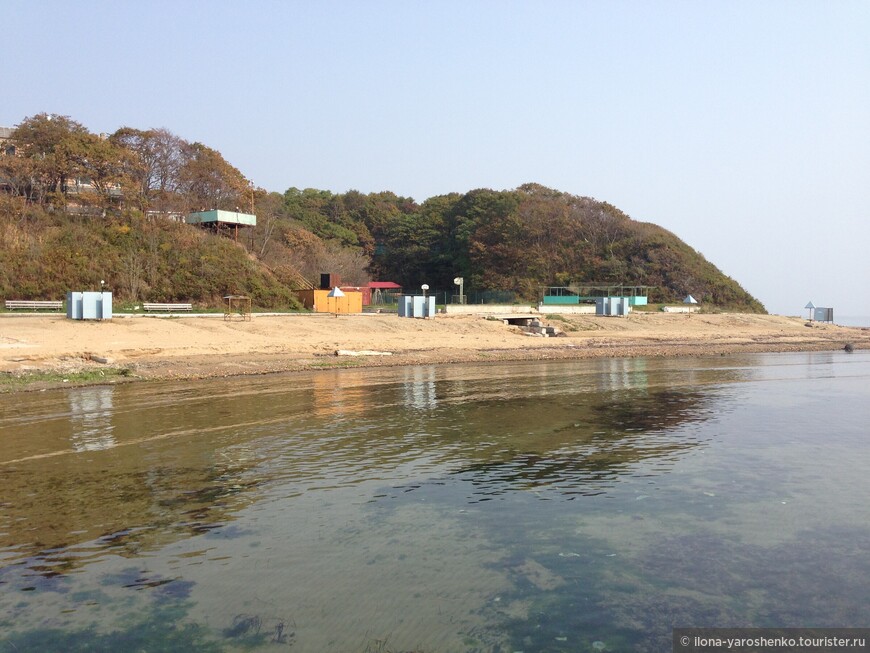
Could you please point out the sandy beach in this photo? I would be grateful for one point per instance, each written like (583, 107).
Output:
(208, 346)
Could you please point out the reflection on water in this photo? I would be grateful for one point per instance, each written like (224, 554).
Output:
(91, 418)
(538, 507)
(611, 434)
(419, 387)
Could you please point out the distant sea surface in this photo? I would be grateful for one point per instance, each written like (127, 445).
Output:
(848, 320)
(852, 320)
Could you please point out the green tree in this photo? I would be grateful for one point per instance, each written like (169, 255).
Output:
(477, 225)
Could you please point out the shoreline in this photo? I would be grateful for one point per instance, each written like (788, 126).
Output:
(38, 352)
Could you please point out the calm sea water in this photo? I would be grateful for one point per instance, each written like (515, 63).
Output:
(564, 506)
(853, 320)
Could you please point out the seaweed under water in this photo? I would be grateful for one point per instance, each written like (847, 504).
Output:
(252, 630)
(160, 624)
(158, 630)
(697, 579)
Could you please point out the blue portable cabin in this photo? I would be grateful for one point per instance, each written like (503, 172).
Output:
(89, 305)
(614, 306)
(417, 306)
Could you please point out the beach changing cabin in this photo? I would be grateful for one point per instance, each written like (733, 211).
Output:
(320, 301)
(612, 306)
(89, 305)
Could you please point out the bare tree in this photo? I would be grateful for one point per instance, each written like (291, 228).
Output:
(131, 271)
(270, 212)
(158, 158)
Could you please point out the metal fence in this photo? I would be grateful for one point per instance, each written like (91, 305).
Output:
(385, 297)
(480, 297)
(390, 298)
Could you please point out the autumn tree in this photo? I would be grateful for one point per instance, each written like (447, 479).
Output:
(553, 248)
(206, 181)
(154, 168)
(19, 175)
(101, 165)
(45, 142)
(310, 255)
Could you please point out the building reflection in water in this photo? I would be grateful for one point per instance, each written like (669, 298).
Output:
(418, 388)
(91, 414)
(623, 374)
(334, 396)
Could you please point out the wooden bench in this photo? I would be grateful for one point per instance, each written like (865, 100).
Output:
(167, 308)
(34, 304)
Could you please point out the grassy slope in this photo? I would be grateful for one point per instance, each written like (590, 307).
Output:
(45, 255)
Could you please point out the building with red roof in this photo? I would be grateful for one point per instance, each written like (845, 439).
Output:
(376, 292)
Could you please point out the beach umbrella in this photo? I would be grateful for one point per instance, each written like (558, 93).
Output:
(810, 306)
(690, 300)
(336, 292)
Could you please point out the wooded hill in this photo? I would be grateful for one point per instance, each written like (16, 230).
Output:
(55, 236)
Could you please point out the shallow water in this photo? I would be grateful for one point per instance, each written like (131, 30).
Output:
(560, 506)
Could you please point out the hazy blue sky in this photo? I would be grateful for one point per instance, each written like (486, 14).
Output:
(743, 127)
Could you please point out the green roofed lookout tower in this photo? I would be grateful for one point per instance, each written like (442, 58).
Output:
(225, 222)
